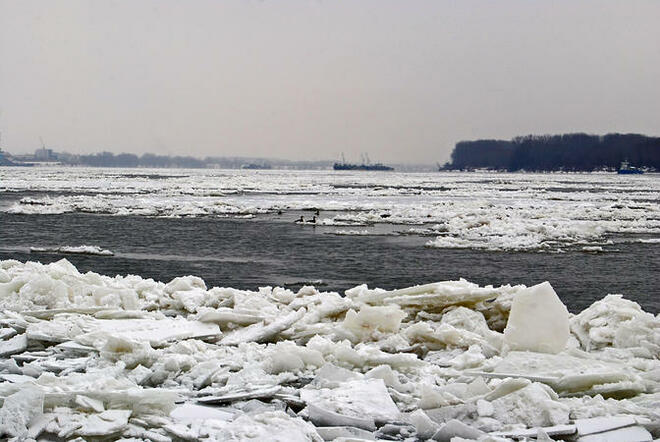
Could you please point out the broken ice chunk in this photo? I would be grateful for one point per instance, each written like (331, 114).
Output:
(263, 333)
(331, 376)
(154, 331)
(223, 316)
(192, 412)
(105, 423)
(602, 424)
(535, 405)
(627, 434)
(570, 373)
(556, 430)
(456, 428)
(270, 425)
(265, 393)
(6, 333)
(388, 376)
(360, 398)
(370, 320)
(322, 416)
(538, 321)
(131, 352)
(332, 433)
(139, 374)
(19, 410)
(469, 359)
(17, 344)
(425, 427)
(617, 322)
(395, 431)
(287, 356)
(184, 283)
(16, 378)
(427, 297)
(87, 403)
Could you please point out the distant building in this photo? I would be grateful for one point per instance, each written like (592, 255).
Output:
(44, 154)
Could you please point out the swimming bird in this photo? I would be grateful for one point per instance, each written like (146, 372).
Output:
(302, 220)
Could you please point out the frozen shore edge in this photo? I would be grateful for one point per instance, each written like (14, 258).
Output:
(87, 355)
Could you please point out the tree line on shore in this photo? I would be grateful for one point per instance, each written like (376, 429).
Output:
(565, 152)
(150, 160)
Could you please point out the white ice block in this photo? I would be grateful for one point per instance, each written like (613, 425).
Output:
(538, 321)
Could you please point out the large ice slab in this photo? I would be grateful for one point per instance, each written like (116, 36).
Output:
(94, 332)
(627, 434)
(538, 321)
(570, 373)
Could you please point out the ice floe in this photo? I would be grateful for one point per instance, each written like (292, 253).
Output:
(73, 250)
(92, 356)
(540, 212)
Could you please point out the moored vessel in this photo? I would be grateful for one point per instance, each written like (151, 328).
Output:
(627, 169)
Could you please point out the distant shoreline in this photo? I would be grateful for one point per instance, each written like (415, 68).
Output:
(575, 152)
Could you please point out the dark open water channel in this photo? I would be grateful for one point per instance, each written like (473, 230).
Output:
(250, 253)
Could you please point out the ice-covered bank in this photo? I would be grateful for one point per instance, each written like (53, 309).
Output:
(86, 355)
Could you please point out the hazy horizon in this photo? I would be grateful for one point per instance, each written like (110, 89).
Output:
(307, 80)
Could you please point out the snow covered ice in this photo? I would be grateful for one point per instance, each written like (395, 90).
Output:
(86, 355)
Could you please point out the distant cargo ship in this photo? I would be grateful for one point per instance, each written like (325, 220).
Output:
(257, 166)
(343, 165)
(347, 166)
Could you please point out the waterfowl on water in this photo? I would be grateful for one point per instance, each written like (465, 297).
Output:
(301, 220)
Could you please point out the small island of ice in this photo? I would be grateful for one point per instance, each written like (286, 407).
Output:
(73, 250)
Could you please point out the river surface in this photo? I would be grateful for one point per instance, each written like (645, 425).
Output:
(384, 230)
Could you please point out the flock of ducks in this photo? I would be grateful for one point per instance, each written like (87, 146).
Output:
(302, 220)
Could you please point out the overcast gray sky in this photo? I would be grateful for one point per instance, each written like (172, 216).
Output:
(399, 80)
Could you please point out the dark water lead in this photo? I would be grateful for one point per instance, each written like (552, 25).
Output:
(263, 251)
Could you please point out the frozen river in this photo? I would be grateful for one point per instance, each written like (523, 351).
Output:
(192, 306)
(538, 212)
(590, 234)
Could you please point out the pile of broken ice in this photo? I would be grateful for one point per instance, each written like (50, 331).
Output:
(85, 355)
